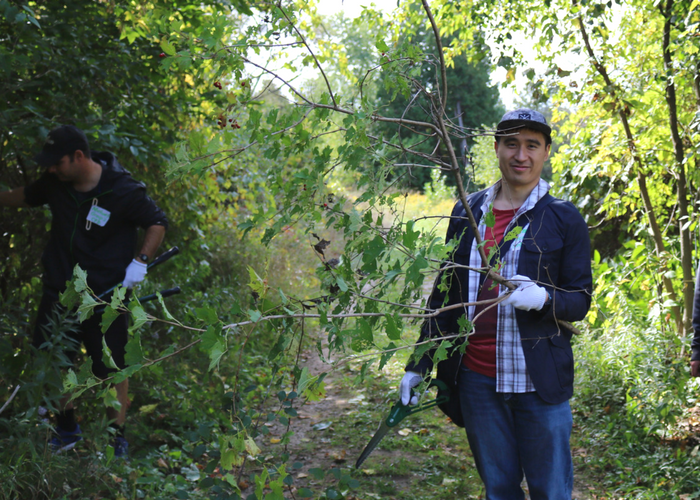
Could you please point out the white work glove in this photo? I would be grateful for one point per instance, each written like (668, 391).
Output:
(527, 296)
(408, 382)
(135, 273)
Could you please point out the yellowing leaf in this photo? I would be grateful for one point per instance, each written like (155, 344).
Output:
(146, 409)
(251, 447)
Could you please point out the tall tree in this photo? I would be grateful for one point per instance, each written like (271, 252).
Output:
(472, 103)
(106, 71)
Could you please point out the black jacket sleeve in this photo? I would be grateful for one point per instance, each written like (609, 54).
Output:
(695, 346)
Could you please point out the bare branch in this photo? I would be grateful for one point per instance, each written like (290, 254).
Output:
(12, 396)
(438, 43)
(318, 64)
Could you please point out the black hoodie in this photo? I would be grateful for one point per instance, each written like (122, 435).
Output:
(103, 251)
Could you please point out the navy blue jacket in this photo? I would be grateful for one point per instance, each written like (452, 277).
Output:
(695, 346)
(104, 252)
(556, 253)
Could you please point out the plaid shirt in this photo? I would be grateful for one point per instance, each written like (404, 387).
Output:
(511, 370)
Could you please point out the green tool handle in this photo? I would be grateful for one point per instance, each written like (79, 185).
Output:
(400, 411)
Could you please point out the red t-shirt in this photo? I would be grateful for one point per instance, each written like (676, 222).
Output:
(480, 355)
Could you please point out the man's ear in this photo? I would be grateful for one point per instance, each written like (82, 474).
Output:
(78, 155)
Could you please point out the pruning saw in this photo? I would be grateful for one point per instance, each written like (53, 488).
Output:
(400, 411)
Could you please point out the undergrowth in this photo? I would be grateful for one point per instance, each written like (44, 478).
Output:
(632, 437)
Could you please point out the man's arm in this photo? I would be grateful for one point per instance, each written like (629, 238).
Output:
(151, 241)
(695, 346)
(136, 271)
(13, 198)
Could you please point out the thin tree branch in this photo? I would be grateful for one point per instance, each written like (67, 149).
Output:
(318, 64)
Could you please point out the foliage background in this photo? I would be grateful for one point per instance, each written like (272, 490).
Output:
(286, 200)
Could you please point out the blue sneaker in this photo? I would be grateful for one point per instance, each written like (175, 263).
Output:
(121, 447)
(64, 440)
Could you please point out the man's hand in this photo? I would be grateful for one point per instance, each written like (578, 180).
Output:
(408, 382)
(695, 368)
(135, 273)
(14, 198)
(527, 296)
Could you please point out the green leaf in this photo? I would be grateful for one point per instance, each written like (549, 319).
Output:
(206, 314)
(214, 344)
(256, 283)
(107, 356)
(165, 309)
(410, 236)
(393, 327)
(79, 279)
(304, 380)
(413, 273)
(420, 350)
(69, 298)
(211, 337)
(387, 355)
(70, 380)
(167, 47)
(138, 314)
(442, 353)
(317, 473)
(108, 317)
(465, 326)
(87, 306)
(513, 233)
(118, 297)
(489, 219)
(110, 398)
(341, 284)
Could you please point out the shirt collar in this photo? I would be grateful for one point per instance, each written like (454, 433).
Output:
(536, 195)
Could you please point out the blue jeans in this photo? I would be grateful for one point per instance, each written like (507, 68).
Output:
(513, 434)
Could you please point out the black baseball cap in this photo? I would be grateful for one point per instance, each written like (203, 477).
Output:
(61, 141)
(525, 118)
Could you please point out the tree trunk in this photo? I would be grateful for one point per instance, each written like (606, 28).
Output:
(682, 188)
(657, 236)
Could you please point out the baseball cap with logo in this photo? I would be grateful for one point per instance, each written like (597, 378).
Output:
(62, 141)
(524, 118)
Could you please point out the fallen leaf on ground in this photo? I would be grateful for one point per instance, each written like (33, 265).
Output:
(339, 456)
(405, 432)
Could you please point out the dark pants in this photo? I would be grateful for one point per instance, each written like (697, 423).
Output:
(514, 434)
(87, 333)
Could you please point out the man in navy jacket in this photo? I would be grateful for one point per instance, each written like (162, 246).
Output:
(96, 208)
(695, 345)
(515, 376)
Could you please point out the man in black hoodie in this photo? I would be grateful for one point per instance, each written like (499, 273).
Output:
(96, 207)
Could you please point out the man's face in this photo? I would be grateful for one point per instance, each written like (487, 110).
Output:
(521, 157)
(66, 169)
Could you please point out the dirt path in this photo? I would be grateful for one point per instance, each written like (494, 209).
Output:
(313, 443)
